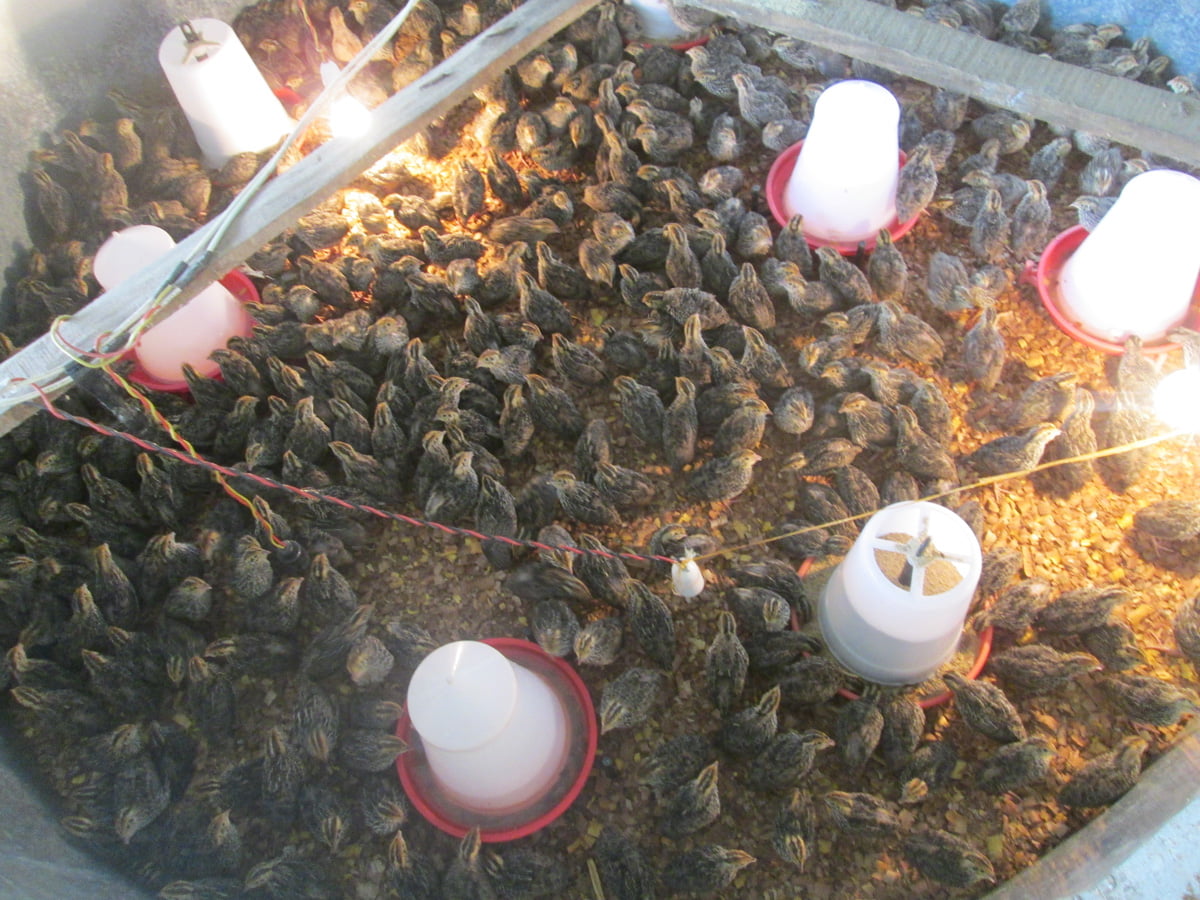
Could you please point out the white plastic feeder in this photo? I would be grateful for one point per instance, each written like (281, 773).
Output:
(1136, 272)
(495, 734)
(657, 24)
(192, 332)
(228, 103)
(893, 610)
(844, 180)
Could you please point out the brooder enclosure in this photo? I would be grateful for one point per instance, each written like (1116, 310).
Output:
(555, 307)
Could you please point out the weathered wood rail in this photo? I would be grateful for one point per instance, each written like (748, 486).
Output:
(293, 193)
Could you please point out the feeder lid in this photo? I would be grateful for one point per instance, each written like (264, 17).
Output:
(462, 695)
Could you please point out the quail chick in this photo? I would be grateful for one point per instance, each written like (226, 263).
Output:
(1115, 645)
(759, 609)
(946, 858)
(1079, 610)
(749, 731)
(1076, 439)
(857, 731)
(918, 453)
(627, 699)
(845, 279)
(1151, 700)
(795, 830)
(1048, 399)
(721, 478)
(704, 870)
(642, 410)
(465, 878)
(787, 759)
(983, 352)
(813, 680)
(928, 769)
(625, 873)
(597, 642)
(1030, 222)
(1015, 765)
(903, 725)
(860, 813)
(554, 626)
(409, 874)
(693, 806)
(1012, 453)
(986, 709)
(582, 502)
(651, 623)
(1186, 628)
(725, 664)
(1015, 608)
(990, 229)
(674, 763)
(680, 425)
(1105, 778)
(917, 185)
(1040, 669)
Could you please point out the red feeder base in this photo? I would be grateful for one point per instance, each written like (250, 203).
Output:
(238, 284)
(583, 734)
(1044, 276)
(777, 179)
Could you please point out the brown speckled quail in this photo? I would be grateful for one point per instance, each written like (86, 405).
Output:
(928, 769)
(1016, 606)
(1186, 628)
(861, 813)
(519, 871)
(598, 641)
(725, 664)
(946, 858)
(795, 830)
(857, 730)
(786, 760)
(749, 731)
(887, 270)
(1015, 765)
(1105, 778)
(1048, 399)
(554, 626)
(650, 622)
(625, 873)
(1040, 669)
(1145, 698)
(1080, 609)
(844, 278)
(695, 805)
(919, 454)
(704, 870)
(675, 762)
(809, 681)
(1115, 645)
(582, 502)
(758, 609)
(680, 426)
(721, 478)
(1012, 452)
(983, 351)
(985, 708)
(628, 698)
(903, 725)
(917, 185)
(465, 878)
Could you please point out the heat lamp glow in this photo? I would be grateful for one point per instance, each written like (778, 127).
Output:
(845, 177)
(348, 118)
(228, 103)
(1136, 272)
(1175, 400)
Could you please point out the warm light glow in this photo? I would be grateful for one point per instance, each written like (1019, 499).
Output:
(1136, 272)
(348, 118)
(844, 181)
(1177, 400)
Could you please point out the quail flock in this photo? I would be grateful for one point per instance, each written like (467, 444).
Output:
(431, 342)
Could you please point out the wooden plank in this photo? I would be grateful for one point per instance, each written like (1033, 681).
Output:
(1136, 114)
(294, 192)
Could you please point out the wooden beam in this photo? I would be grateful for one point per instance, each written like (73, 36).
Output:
(1126, 111)
(293, 193)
